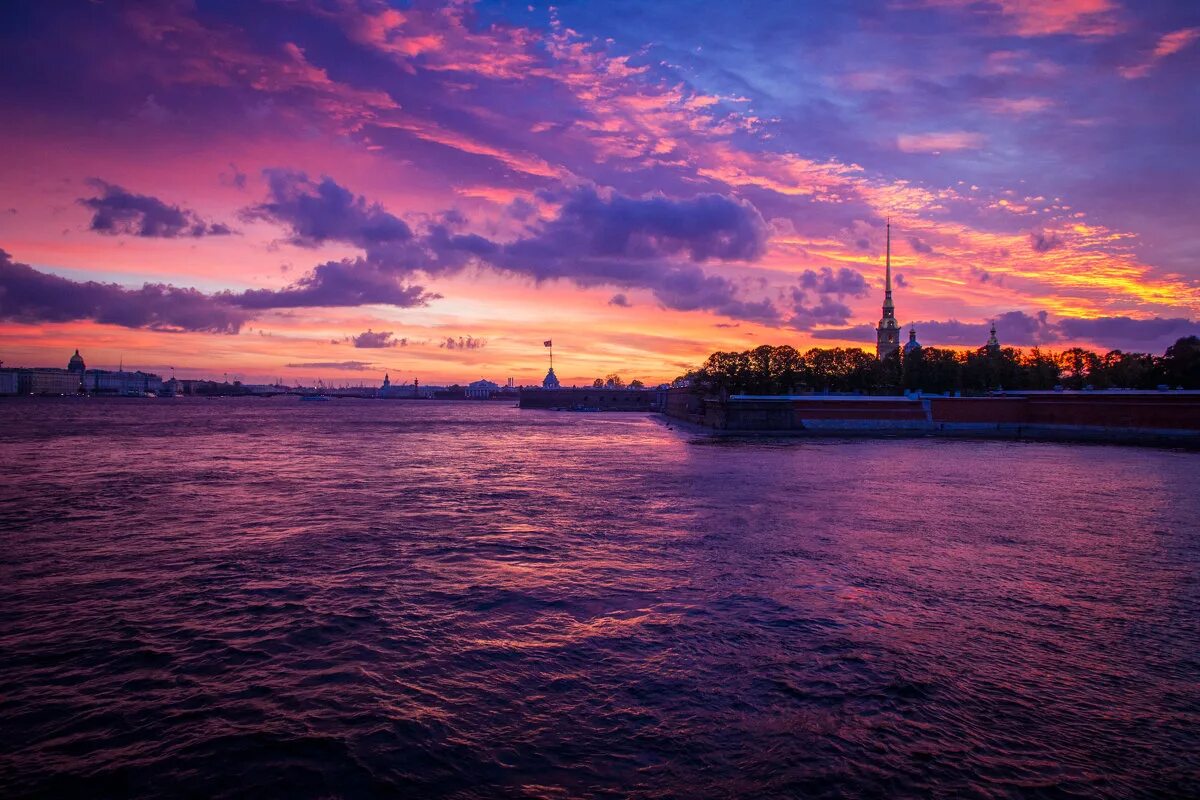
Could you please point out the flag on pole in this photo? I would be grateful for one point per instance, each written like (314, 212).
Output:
(546, 343)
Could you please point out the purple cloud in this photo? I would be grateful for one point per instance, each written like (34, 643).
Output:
(350, 282)
(843, 283)
(826, 311)
(121, 212)
(919, 246)
(377, 339)
(348, 366)
(619, 300)
(595, 239)
(1043, 242)
(1125, 333)
(30, 296)
(321, 211)
(463, 343)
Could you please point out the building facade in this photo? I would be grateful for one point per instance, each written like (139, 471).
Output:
(481, 389)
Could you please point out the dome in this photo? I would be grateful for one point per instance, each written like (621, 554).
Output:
(551, 380)
(76, 363)
(912, 343)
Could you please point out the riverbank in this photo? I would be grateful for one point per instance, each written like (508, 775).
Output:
(1153, 419)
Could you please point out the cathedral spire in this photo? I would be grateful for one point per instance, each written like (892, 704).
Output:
(887, 334)
(887, 292)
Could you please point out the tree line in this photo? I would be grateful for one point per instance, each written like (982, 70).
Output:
(785, 370)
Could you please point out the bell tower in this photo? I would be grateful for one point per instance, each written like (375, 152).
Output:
(887, 339)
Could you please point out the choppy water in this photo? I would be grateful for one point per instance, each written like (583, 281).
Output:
(356, 598)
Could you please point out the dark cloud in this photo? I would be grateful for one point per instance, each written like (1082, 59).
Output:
(1018, 329)
(347, 366)
(703, 228)
(463, 343)
(30, 296)
(826, 311)
(983, 276)
(843, 283)
(235, 177)
(377, 339)
(1125, 333)
(1015, 328)
(350, 282)
(317, 212)
(596, 239)
(619, 300)
(121, 212)
(919, 246)
(1043, 242)
(862, 333)
(901, 281)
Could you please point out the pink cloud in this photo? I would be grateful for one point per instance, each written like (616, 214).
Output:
(1031, 18)
(1168, 44)
(939, 142)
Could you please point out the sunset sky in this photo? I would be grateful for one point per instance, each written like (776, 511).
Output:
(339, 188)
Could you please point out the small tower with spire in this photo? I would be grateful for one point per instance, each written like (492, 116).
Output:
(888, 333)
(993, 344)
(912, 343)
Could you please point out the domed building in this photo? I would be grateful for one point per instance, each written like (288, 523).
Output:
(76, 363)
(550, 381)
(912, 343)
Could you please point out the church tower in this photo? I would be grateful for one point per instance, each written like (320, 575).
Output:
(993, 344)
(888, 333)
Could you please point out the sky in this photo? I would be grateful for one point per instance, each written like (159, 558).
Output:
(336, 189)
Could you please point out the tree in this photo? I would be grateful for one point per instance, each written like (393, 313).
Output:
(598, 383)
(636, 384)
(613, 381)
(1181, 363)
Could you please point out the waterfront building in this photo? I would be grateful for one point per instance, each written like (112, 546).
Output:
(47, 381)
(887, 335)
(121, 382)
(993, 344)
(8, 381)
(912, 343)
(389, 389)
(76, 364)
(481, 389)
(550, 381)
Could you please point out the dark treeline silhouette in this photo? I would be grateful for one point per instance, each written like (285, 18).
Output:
(784, 370)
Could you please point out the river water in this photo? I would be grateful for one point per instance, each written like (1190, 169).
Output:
(268, 598)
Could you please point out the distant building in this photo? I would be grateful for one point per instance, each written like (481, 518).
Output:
(481, 389)
(76, 363)
(389, 389)
(47, 381)
(887, 335)
(993, 344)
(8, 381)
(121, 382)
(550, 381)
(912, 343)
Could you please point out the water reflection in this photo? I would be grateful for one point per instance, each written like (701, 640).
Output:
(374, 598)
